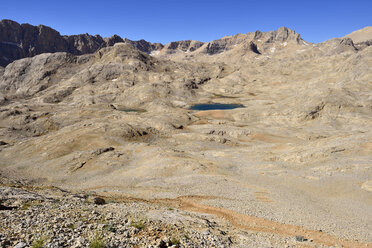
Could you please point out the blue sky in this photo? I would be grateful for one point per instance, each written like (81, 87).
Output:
(204, 20)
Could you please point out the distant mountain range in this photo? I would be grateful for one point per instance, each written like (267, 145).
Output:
(24, 40)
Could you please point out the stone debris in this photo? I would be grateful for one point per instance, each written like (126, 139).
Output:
(70, 221)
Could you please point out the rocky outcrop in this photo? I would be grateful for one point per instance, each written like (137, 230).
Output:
(224, 44)
(112, 40)
(183, 46)
(339, 45)
(84, 43)
(29, 76)
(19, 41)
(145, 46)
(364, 44)
(253, 47)
(282, 34)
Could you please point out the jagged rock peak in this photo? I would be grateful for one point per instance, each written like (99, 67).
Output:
(283, 34)
(184, 45)
(112, 40)
(144, 46)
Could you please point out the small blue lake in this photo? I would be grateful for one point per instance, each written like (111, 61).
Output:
(215, 106)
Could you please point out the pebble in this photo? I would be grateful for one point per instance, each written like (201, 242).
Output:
(20, 245)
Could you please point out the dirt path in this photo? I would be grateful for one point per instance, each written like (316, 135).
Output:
(251, 223)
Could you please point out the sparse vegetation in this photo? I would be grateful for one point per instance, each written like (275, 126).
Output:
(102, 220)
(134, 110)
(97, 242)
(175, 241)
(139, 224)
(223, 96)
(26, 205)
(38, 243)
(109, 228)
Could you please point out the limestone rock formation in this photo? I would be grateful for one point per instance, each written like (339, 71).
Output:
(85, 43)
(19, 41)
(182, 46)
(145, 46)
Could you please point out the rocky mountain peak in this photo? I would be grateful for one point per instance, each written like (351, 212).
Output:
(283, 34)
(144, 45)
(112, 40)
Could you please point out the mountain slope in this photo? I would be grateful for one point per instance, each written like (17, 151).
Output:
(361, 35)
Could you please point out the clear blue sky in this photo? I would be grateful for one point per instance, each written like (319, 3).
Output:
(204, 20)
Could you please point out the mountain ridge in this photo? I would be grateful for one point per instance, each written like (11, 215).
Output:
(24, 40)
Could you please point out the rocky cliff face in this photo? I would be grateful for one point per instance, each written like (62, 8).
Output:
(19, 41)
(84, 43)
(24, 40)
(144, 46)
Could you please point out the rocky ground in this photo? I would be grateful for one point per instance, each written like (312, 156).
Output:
(50, 217)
